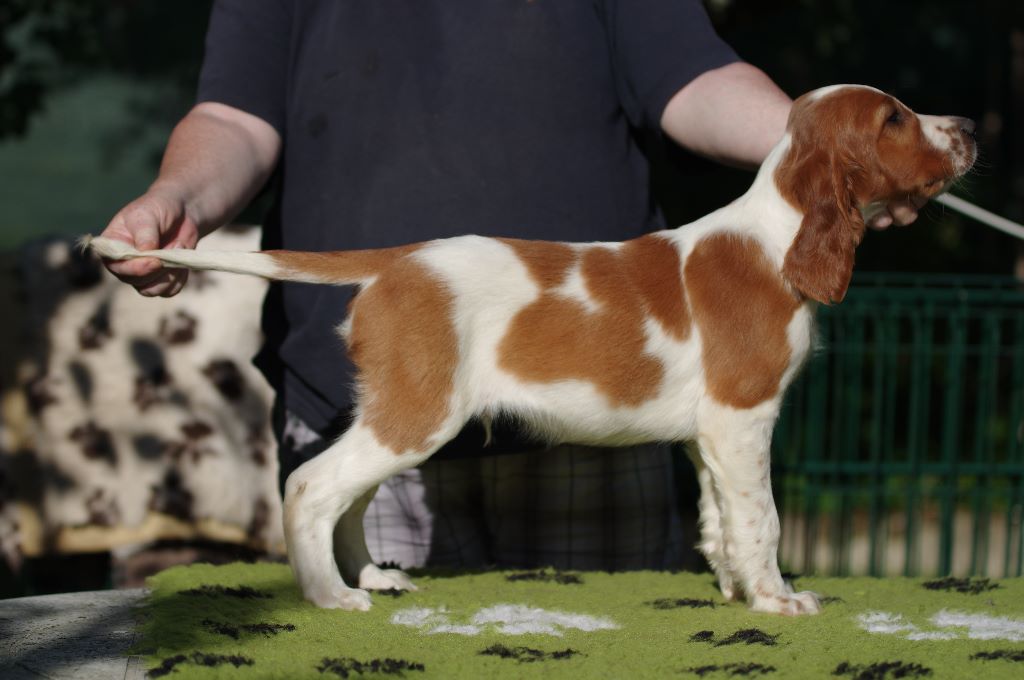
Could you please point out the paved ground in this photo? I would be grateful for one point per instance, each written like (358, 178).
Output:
(84, 636)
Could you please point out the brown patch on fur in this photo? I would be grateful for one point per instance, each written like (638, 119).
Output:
(547, 261)
(845, 154)
(656, 271)
(341, 266)
(404, 345)
(742, 307)
(557, 338)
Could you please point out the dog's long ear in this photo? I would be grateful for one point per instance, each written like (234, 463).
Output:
(819, 263)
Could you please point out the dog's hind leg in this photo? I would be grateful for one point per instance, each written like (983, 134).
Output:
(318, 494)
(354, 558)
(734, 444)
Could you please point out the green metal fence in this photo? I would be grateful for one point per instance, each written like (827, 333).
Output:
(901, 447)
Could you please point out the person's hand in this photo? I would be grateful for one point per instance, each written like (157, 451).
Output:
(153, 221)
(900, 213)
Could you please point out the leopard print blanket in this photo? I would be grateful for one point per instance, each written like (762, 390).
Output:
(127, 420)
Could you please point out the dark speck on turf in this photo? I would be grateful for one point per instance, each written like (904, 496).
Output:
(750, 636)
(199, 659)
(242, 592)
(559, 577)
(882, 670)
(390, 592)
(166, 666)
(669, 603)
(526, 654)
(733, 669)
(345, 666)
(970, 586)
(1015, 655)
(265, 629)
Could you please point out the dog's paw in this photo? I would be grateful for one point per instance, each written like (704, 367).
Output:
(788, 604)
(373, 577)
(728, 586)
(351, 599)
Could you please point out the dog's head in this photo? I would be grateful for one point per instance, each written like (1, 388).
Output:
(853, 150)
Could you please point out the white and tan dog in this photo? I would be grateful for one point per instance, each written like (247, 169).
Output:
(690, 334)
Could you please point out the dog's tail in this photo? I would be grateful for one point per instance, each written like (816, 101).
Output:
(339, 268)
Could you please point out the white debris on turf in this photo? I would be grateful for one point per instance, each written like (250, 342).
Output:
(510, 619)
(979, 626)
(420, 617)
(884, 622)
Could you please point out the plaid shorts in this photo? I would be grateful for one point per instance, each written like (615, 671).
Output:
(570, 507)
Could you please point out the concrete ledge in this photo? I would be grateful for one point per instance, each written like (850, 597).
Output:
(85, 636)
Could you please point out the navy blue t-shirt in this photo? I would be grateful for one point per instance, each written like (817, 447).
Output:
(407, 120)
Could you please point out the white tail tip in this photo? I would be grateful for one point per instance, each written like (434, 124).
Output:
(108, 248)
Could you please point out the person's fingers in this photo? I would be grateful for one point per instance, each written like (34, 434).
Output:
(150, 223)
(168, 284)
(903, 213)
(900, 213)
(881, 221)
(134, 271)
(144, 224)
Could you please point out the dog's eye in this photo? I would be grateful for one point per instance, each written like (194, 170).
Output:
(895, 118)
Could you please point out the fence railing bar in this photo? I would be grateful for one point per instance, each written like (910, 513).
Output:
(907, 450)
(939, 468)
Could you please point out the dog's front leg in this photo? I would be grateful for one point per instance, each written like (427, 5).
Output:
(734, 445)
(712, 544)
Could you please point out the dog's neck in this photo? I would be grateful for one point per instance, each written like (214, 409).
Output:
(764, 211)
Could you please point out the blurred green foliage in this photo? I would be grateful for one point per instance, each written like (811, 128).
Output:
(46, 45)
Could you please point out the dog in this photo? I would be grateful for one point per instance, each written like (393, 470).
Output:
(689, 335)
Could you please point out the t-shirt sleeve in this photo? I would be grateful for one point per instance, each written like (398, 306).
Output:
(245, 64)
(657, 47)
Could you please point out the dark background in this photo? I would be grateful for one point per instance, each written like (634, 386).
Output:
(89, 90)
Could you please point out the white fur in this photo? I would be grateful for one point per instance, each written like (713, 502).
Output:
(823, 92)
(575, 289)
(941, 131)
(935, 129)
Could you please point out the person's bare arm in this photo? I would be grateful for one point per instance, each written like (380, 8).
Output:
(216, 160)
(735, 115)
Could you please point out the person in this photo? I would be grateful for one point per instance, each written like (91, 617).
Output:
(382, 123)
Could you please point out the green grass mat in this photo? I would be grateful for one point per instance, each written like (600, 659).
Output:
(249, 621)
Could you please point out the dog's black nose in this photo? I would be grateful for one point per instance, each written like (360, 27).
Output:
(966, 125)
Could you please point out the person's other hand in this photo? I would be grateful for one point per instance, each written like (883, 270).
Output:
(900, 213)
(153, 221)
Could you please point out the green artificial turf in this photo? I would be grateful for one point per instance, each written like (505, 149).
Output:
(249, 621)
